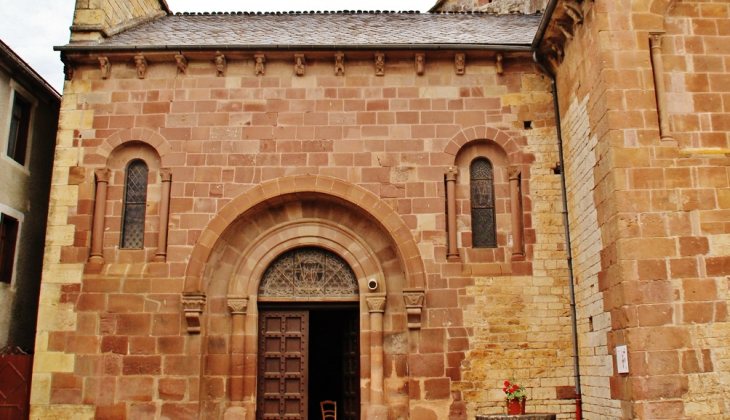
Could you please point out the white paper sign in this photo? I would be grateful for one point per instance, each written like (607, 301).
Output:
(622, 359)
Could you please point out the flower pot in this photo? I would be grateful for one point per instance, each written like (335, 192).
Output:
(516, 406)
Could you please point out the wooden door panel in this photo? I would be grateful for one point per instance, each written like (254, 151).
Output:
(282, 366)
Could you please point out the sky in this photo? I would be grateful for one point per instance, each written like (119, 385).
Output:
(33, 27)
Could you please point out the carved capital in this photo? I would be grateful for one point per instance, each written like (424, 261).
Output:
(376, 303)
(182, 64)
(192, 305)
(105, 67)
(238, 305)
(220, 64)
(102, 174)
(339, 63)
(413, 300)
(260, 64)
(460, 63)
(514, 172)
(655, 39)
(300, 64)
(166, 174)
(452, 173)
(420, 63)
(379, 64)
(141, 63)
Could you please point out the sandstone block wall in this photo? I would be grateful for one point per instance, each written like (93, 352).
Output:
(112, 340)
(651, 275)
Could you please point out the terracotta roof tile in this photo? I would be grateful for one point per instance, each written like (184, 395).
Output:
(340, 29)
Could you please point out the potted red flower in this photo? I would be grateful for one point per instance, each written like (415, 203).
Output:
(515, 398)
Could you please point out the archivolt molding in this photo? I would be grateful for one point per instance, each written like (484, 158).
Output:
(504, 140)
(145, 135)
(368, 202)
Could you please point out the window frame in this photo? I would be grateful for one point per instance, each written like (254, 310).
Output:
(17, 91)
(8, 256)
(491, 204)
(126, 205)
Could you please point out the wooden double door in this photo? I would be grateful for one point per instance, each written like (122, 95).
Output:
(308, 355)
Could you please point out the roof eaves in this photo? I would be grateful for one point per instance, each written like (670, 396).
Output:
(18, 64)
(250, 47)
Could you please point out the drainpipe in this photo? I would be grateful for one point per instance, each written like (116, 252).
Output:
(573, 314)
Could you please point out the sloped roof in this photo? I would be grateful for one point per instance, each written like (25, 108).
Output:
(325, 30)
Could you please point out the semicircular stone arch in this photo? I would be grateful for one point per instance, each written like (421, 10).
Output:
(274, 193)
(509, 145)
(143, 135)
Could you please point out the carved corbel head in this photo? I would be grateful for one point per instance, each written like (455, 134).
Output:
(460, 63)
(300, 64)
(141, 63)
(68, 69)
(566, 29)
(182, 64)
(220, 64)
(259, 64)
(106, 67)
(339, 63)
(572, 9)
(420, 64)
(379, 64)
(498, 63)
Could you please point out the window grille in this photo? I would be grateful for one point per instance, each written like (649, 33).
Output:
(483, 220)
(135, 204)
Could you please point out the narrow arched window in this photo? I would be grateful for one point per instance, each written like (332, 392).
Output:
(483, 224)
(135, 204)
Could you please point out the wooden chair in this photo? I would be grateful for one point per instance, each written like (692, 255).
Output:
(331, 411)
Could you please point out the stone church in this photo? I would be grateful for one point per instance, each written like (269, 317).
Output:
(252, 213)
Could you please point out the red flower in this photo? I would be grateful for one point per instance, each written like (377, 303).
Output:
(506, 383)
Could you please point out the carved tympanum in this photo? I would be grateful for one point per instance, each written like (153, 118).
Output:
(308, 272)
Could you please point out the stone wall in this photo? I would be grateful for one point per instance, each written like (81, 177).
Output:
(493, 6)
(645, 208)
(112, 339)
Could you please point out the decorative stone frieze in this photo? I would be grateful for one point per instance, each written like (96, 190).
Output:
(192, 305)
(141, 64)
(300, 64)
(413, 300)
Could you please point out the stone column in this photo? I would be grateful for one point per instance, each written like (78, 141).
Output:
(376, 306)
(161, 254)
(97, 230)
(238, 307)
(453, 251)
(661, 91)
(516, 209)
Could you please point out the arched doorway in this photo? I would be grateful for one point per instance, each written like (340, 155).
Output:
(308, 336)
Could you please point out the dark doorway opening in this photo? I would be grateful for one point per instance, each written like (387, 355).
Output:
(334, 369)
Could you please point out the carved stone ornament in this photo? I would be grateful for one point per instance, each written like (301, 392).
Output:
(498, 63)
(420, 64)
(379, 64)
(566, 29)
(460, 63)
(413, 300)
(260, 64)
(141, 63)
(182, 64)
(572, 9)
(166, 174)
(192, 305)
(339, 63)
(105, 66)
(300, 64)
(376, 303)
(308, 273)
(513, 172)
(68, 69)
(102, 174)
(451, 173)
(220, 64)
(238, 305)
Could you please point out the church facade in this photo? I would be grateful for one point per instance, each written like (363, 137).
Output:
(255, 213)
